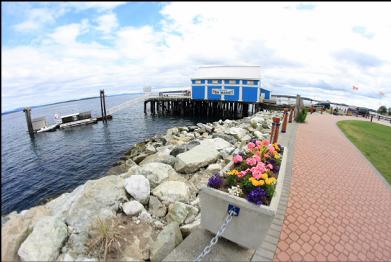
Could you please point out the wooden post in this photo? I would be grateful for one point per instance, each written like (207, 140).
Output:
(145, 107)
(273, 129)
(276, 120)
(291, 115)
(101, 103)
(27, 112)
(284, 121)
(104, 105)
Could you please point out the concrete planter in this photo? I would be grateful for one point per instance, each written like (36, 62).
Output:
(250, 227)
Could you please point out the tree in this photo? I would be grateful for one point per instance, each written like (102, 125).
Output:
(382, 110)
(389, 111)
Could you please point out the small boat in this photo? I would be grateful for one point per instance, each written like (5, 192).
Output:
(50, 128)
(77, 119)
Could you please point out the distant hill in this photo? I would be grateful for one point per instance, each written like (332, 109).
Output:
(20, 109)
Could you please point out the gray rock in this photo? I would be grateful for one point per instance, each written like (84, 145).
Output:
(172, 191)
(46, 240)
(172, 131)
(245, 138)
(213, 168)
(230, 139)
(166, 241)
(197, 157)
(162, 156)
(138, 187)
(237, 132)
(258, 134)
(177, 212)
(217, 143)
(137, 159)
(184, 147)
(117, 170)
(157, 208)
(150, 149)
(255, 121)
(188, 228)
(145, 217)
(157, 173)
(132, 208)
(16, 229)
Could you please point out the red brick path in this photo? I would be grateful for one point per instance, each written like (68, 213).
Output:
(338, 208)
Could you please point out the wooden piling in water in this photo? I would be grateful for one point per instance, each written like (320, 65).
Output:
(27, 112)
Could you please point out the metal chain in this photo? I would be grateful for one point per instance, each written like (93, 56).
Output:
(214, 240)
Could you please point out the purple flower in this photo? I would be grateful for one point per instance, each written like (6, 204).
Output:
(215, 181)
(256, 196)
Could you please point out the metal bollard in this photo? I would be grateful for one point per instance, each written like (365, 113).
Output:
(273, 129)
(284, 121)
(276, 121)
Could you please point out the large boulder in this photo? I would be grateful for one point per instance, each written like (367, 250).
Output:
(157, 173)
(99, 198)
(16, 230)
(46, 240)
(156, 207)
(172, 191)
(166, 241)
(230, 139)
(258, 135)
(180, 213)
(237, 132)
(138, 187)
(218, 143)
(197, 157)
(162, 156)
(256, 120)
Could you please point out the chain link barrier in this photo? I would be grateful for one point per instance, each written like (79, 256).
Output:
(214, 240)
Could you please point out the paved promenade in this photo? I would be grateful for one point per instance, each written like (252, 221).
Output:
(339, 207)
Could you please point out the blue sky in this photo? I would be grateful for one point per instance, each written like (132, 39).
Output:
(66, 50)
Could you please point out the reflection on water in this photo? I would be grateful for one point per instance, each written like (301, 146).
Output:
(48, 164)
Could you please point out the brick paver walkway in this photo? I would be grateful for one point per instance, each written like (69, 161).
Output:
(339, 209)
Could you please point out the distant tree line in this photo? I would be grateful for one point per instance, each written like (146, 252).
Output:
(383, 110)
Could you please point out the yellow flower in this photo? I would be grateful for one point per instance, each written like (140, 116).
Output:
(277, 156)
(256, 182)
(276, 147)
(232, 172)
(264, 176)
(270, 181)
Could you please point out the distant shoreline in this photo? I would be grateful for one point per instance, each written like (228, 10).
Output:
(19, 109)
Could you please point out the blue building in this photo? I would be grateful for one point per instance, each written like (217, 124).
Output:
(229, 83)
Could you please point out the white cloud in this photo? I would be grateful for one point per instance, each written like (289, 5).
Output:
(312, 51)
(107, 23)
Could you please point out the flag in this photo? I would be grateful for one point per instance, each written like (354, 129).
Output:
(355, 88)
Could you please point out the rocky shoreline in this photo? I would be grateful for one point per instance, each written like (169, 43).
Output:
(150, 197)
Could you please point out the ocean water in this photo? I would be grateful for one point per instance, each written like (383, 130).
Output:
(52, 163)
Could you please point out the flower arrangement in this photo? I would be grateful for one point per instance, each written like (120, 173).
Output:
(254, 173)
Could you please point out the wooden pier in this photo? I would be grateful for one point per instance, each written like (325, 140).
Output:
(185, 106)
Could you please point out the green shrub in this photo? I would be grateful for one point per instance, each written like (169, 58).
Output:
(301, 116)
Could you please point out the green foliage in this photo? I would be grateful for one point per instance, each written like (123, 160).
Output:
(301, 116)
(270, 190)
(382, 110)
(247, 186)
(231, 181)
(373, 140)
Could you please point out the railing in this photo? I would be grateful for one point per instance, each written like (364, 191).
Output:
(175, 93)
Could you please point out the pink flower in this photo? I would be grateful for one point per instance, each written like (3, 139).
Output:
(257, 142)
(265, 142)
(251, 146)
(256, 174)
(257, 157)
(242, 173)
(237, 159)
(266, 155)
(270, 166)
(251, 161)
(272, 149)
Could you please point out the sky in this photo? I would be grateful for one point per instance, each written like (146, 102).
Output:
(56, 51)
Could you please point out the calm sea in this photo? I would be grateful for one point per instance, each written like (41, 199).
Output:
(52, 163)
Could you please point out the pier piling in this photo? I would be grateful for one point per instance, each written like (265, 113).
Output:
(27, 112)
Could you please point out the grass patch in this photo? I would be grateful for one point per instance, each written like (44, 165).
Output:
(373, 140)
